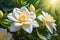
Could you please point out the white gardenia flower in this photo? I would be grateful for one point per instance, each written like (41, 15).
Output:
(22, 19)
(4, 35)
(48, 21)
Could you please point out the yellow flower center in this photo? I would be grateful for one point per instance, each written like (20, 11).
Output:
(23, 17)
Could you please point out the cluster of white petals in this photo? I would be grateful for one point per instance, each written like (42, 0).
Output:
(48, 21)
(22, 19)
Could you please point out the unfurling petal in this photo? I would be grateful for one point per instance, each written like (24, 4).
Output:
(16, 9)
(17, 24)
(32, 8)
(13, 28)
(16, 13)
(35, 24)
(32, 15)
(24, 9)
(10, 16)
(49, 28)
(29, 21)
(53, 25)
(40, 18)
(45, 14)
(28, 29)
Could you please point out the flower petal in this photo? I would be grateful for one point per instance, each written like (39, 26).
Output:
(24, 9)
(17, 24)
(29, 21)
(28, 29)
(35, 24)
(16, 9)
(49, 28)
(45, 14)
(10, 16)
(16, 13)
(53, 25)
(13, 28)
(40, 17)
(32, 15)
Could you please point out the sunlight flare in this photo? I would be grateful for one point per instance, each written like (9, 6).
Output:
(53, 1)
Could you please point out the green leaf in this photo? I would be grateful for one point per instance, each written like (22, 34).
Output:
(23, 2)
(6, 21)
(37, 3)
(41, 36)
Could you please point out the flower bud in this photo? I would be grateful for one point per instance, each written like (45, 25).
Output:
(1, 14)
(32, 8)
